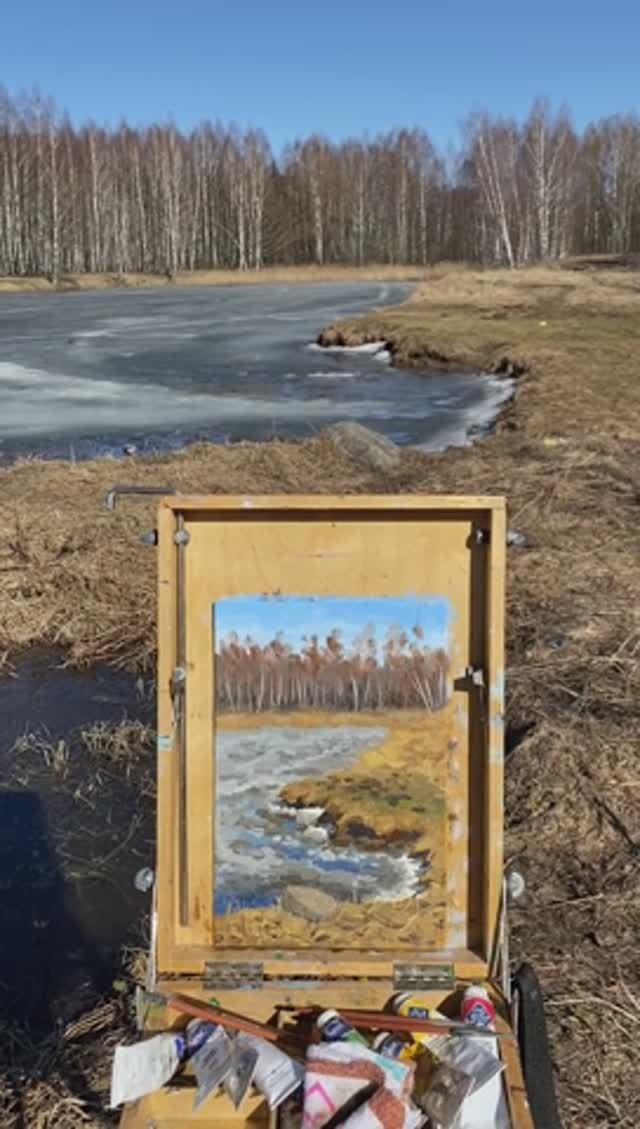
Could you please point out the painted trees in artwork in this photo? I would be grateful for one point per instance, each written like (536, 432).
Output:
(331, 674)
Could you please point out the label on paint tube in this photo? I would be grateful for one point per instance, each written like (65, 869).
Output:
(211, 1064)
(197, 1033)
(413, 1007)
(391, 1046)
(276, 1075)
(334, 1029)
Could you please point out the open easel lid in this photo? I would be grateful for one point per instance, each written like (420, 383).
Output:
(330, 705)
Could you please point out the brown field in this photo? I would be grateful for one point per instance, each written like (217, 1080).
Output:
(565, 453)
(330, 273)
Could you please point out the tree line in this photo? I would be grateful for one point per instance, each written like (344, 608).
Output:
(329, 675)
(158, 199)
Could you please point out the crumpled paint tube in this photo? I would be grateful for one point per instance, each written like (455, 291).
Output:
(244, 1059)
(143, 1068)
(276, 1075)
(211, 1064)
(446, 1094)
(479, 1060)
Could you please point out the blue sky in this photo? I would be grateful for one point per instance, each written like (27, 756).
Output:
(338, 66)
(262, 617)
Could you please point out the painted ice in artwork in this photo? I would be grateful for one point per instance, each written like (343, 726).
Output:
(332, 723)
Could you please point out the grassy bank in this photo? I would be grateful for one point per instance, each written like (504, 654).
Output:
(331, 273)
(566, 455)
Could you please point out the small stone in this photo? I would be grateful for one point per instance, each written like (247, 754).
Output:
(304, 901)
(518, 540)
(316, 834)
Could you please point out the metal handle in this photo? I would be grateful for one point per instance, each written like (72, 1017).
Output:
(141, 491)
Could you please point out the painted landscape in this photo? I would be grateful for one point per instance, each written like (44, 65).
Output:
(332, 725)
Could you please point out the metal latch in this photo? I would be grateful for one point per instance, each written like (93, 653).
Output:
(231, 974)
(423, 977)
(475, 674)
(177, 686)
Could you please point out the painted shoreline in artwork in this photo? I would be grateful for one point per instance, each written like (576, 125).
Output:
(331, 759)
(415, 920)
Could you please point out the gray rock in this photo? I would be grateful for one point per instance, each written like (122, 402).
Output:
(304, 901)
(316, 834)
(366, 447)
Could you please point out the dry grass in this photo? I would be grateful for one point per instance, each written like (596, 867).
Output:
(330, 273)
(566, 455)
(63, 1082)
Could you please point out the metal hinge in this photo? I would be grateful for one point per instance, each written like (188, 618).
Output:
(423, 977)
(233, 974)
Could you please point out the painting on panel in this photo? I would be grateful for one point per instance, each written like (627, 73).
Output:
(331, 727)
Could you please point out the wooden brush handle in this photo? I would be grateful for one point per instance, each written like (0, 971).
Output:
(187, 1005)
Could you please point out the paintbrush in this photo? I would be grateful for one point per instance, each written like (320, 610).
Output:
(388, 1021)
(198, 1009)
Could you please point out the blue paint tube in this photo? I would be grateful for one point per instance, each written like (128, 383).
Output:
(334, 1029)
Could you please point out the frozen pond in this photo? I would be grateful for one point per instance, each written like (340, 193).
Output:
(261, 846)
(88, 373)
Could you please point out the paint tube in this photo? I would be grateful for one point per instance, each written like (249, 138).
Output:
(443, 1099)
(396, 1045)
(473, 1056)
(196, 1034)
(244, 1059)
(414, 1007)
(276, 1075)
(211, 1064)
(334, 1029)
(477, 1008)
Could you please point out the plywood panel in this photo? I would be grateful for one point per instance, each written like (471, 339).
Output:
(351, 567)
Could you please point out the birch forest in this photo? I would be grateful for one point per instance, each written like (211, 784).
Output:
(330, 675)
(157, 199)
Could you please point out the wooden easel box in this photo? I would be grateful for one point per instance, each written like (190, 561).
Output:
(216, 548)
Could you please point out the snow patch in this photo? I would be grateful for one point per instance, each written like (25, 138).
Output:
(369, 349)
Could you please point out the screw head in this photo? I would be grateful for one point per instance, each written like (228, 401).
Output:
(144, 879)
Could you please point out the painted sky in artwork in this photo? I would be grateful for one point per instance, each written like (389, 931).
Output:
(262, 617)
